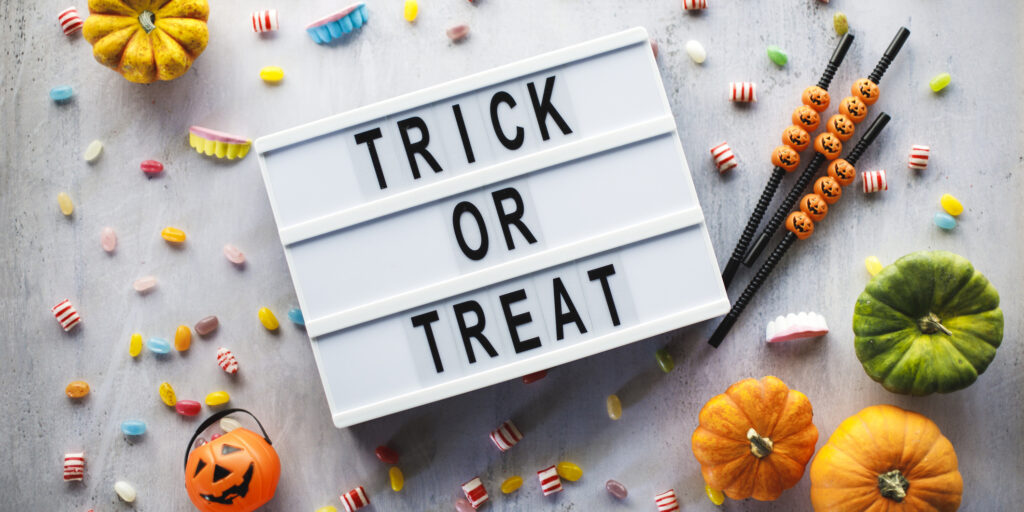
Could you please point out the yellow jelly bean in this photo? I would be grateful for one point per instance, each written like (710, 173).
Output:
(328, 508)
(716, 496)
(397, 478)
(135, 345)
(951, 205)
(272, 74)
(268, 319)
(66, 206)
(77, 389)
(218, 398)
(182, 338)
(412, 9)
(614, 406)
(167, 394)
(569, 471)
(511, 484)
(873, 265)
(173, 235)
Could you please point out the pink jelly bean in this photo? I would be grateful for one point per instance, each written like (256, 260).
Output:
(458, 32)
(108, 239)
(151, 167)
(188, 407)
(463, 505)
(234, 255)
(144, 284)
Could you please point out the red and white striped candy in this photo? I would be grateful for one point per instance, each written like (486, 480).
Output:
(725, 159)
(919, 157)
(355, 499)
(745, 92)
(506, 436)
(475, 492)
(66, 314)
(70, 21)
(74, 466)
(226, 360)
(549, 481)
(666, 501)
(264, 21)
(874, 181)
(690, 5)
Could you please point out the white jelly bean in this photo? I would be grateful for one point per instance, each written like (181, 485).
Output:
(125, 491)
(696, 51)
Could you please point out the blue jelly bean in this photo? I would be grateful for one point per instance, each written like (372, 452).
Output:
(158, 346)
(133, 427)
(61, 93)
(295, 315)
(944, 220)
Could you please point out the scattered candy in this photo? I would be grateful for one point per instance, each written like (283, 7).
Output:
(61, 93)
(206, 325)
(295, 315)
(338, 24)
(944, 220)
(840, 23)
(939, 82)
(144, 284)
(173, 235)
(616, 489)
(666, 501)
(67, 207)
(696, 51)
(530, 378)
(229, 424)
(70, 21)
(226, 360)
(461, 505)
(268, 319)
(214, 437)
(411, 10)
(457, 33)
(167, 394)
(133, 427)
(569, 471)
(614, 406)
(874, 181)
(951, 205)
(744, 92)
(918, 157)
(386, 455)
(77, 389)
(214, 143)
(690, 5)
(234, 254)
(475, 492)
(66, 315)
(328, 508)
(549, 481)
(717, 497)
(777, 55)
(873, 265)
(182, 338)
(108, 239)
(725, 159)
(796, 327)
(135, 345)
(217, 398)
(654, 48)
(355, 499)
(664, 359)
(93, 151)
(188, 407)
(265, 21)
(199, 442)
(74, 466)
(158, 346)
(125, 491)
(511, 484)
(397, 478)
(272, 74)
(151, 167)
(506, 436)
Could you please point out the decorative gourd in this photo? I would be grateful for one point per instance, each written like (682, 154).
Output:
(147, 40)
(885, 458)
(755, 439)
(929, 322)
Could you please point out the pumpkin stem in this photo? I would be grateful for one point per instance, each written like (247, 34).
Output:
(146, 19)
(892, 485)
(761, 447)
(931, 324)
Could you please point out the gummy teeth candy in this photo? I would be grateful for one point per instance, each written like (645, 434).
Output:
(213, 143)
(335, 25)
(796, 327)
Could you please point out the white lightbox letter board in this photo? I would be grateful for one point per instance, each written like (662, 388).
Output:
(491, 227)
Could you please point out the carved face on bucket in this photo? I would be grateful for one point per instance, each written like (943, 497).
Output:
(806, 118)
(816, 98)
(828, 144)
(828, 189)
(854, 108)
(842, 171)
(796, 138)
(800, 224)
(866, 90)
(786, 158)
(840, 126)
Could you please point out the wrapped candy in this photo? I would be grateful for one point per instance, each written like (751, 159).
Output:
(874, 181)
(725, 159)
(918, 157)
(744, 92)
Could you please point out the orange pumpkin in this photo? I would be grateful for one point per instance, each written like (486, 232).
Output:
(786, 158)
(885, 458)
(800, 224)
(853, 108)
(755, 439)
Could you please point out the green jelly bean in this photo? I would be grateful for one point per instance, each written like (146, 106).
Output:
(664, 360)
(940, 82)
(777, 55)
(840, 23)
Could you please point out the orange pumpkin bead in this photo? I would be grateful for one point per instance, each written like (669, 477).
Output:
(796, 138)
(866, 90)
(814, 206)
(829, 145)
(842, 171)
(816, 98)
(786, 158)
(806, 117)
(854, 108)
(801, 225)
(840, 126)
(828, 189)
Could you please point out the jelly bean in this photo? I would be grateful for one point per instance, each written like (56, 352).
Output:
(716, 496)
(199, 442)
(167, 394)
(151, 167)
(158, 346)
(457, 33)
(214, 437)
(234, 254)
(397, 478)
(569, 471)
(93, 151)
(206, 325)
(940, 82)
(328, 508)
(229, 424)
(696, 51)
(951, 205)
(61, 93)
(462, 505)
(268, 319)
(108, 239)
(873, 265)
(664, 359)
(412, 9)
(511, 484)
(188, 407)
(386, 455)
(66, 206)
(777, 55)
(182, 338)
(125, 491)
(144, 284)
(944, 220)
(616, 489)
(133, 427)
(217, 398)
(77, 389)
(135, 345)
(173, 235)
(840, 23)
(295, 315)
(614, 406)
(272, 74)
(534, 377)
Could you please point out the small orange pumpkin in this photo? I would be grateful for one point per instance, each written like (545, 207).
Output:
(854, 108)
(755, 439)
(828, 189)
(800, 224)
(840, 126)
(828, 145)
(816, 98)
(786, 158)
(866, 90)
(796, 137)
(806, 117)
(886, 458)
(842, 171)
(814, 206)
